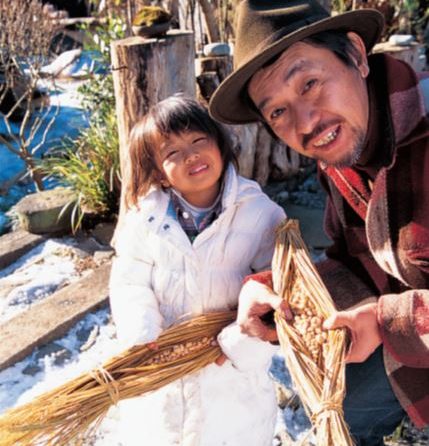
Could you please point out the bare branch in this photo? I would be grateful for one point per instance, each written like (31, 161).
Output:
(26, 33)
(9, 146)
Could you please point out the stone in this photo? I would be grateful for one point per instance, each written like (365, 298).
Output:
(283, 196)
(103, 232)
(216, 49)
(15, 244)
(53, 316)
(103, 256)
(401, 39)
(47, 212)
(48, 349)
(31, 369)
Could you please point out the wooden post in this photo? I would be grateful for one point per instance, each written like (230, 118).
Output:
(145, 71)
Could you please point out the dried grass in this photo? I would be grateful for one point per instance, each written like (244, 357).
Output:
(71, 412)
(319, 377)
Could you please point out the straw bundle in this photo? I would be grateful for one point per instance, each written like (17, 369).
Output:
(71, 412)
(314, 357)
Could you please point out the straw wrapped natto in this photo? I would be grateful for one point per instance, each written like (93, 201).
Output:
(313, 356)
(68, 414)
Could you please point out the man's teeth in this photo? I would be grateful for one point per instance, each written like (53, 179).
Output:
(327, 139)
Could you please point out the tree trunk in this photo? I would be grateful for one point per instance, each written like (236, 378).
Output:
(210, 18)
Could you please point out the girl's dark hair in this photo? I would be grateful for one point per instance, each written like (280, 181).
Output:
(335, 41)
(173, 115)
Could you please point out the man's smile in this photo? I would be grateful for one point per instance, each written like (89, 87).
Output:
(328, 138)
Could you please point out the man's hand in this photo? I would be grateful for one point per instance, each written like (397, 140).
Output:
(255, 301)
(365, 333)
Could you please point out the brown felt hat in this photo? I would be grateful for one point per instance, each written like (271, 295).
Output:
(265, 28)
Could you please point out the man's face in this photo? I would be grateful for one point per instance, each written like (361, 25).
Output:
(315, 103)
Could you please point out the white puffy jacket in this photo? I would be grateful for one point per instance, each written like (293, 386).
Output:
(159, 276)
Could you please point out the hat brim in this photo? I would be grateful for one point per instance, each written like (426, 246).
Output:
(228, 102)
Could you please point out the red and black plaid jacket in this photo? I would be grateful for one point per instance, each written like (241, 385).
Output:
(381, 239)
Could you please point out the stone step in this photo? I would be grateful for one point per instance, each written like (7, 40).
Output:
(15, 244)
(52, 317)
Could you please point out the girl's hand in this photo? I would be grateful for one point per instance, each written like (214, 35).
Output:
(221, 360)
(254, 302)
(364, 329)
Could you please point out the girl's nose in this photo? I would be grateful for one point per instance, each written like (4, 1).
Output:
(191, 155)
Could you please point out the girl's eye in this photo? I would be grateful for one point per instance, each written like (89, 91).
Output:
(200, 139)
(309, 85)
(170, 153)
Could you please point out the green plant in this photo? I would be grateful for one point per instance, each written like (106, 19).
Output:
(90, 166)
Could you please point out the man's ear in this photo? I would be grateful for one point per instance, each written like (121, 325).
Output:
(359, 56)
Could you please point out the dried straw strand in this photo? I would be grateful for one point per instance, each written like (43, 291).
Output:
(69, 413)
(314, 358)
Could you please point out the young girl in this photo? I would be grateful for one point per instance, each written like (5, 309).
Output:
(193, 230)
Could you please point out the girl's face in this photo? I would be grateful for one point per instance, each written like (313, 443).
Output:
(192, 164)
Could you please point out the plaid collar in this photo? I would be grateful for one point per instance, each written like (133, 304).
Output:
(187, 221)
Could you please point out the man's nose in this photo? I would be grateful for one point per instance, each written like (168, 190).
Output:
(306, 118)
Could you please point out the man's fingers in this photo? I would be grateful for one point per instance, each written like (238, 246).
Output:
(336, 320)
(285, 310)
(357, 354)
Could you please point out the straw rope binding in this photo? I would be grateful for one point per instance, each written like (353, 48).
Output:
(313, 356)
(68, 414)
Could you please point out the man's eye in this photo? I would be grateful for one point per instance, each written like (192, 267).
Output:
(277, 112)
(199, 140)
(309, 85)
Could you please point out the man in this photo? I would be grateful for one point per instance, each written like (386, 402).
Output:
(307, 76)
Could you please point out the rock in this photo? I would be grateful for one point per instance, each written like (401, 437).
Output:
(31, 369)
(15, 244)
(216, 49)
(282, 197)
(401, 39)
(103, 233)
(47, 212)
(63, 61)
(82, 334)
(81, 253)
(89, 245)
(151, 15)
(49, 349)
(103, 256)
